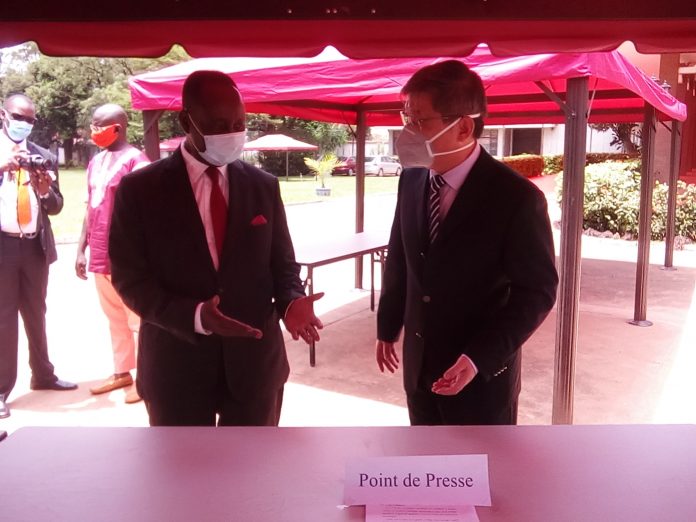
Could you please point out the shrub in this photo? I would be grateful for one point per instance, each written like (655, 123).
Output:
(612, 198)
(553, 163)
(526, 164)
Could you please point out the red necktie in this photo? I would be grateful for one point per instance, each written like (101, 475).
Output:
(218, 209)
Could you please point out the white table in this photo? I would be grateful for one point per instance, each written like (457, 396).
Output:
(537, 473)
(340, 248)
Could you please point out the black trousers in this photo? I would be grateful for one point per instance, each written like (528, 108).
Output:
(23, 284)
(429, 409)
(215, 405)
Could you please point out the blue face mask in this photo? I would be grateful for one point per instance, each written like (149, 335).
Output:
(17, 130)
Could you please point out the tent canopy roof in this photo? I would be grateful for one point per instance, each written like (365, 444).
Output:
(278, 142)
(389, 28)
(334, 88)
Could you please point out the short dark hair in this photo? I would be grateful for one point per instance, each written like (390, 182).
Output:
(453, 89)
(191, 92)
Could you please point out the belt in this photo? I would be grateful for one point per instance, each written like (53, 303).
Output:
(20, 235)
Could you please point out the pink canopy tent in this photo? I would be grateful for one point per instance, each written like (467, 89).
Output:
(337, 89)
(573, 89)
(279, 142)
(170, 144)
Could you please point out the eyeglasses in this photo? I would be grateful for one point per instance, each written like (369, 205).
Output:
(19, 117)
(407, 119)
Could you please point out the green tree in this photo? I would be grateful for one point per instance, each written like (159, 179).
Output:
(622, 135)
(67, 90)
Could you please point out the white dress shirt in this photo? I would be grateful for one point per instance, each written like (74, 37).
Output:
(454, 179)
(202, 186)
(8, 193)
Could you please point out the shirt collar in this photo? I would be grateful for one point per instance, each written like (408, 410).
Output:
(455, 177)
(195, 167)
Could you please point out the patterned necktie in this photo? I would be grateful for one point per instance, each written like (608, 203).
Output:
(436, 182)
(218, 209)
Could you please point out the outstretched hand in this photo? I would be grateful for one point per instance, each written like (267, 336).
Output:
(212, 319)
(300, 319)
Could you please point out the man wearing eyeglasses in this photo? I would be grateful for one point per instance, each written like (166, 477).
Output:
(29, 193)
(471, 269)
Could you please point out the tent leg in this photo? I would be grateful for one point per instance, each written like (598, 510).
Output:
(675, 153)
(286, 166)
(360, 189)
(570, 251)
(151, 134)
(644, 218)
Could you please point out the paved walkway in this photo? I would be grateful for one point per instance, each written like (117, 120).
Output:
(624, 374)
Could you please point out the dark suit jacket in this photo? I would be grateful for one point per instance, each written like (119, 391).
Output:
(162, 268)
(481, 289)
(50, 206)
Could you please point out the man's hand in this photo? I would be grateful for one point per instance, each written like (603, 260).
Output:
(41, 181)
(300, 319)
(214, 320)
(81, 265)
(456, 378)
(386, 356)
(11, 161)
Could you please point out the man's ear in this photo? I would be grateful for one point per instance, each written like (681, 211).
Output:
(184, 120)
(466, 128)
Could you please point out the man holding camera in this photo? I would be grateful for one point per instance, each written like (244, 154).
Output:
(29, 193)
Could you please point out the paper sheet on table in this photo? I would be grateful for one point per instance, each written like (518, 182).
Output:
(399, 513)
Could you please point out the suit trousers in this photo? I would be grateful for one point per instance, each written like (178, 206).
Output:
(219, 408)
(23, 284)
(426, 408)
(123, 324)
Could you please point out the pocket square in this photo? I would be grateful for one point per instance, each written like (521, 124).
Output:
(258, 220)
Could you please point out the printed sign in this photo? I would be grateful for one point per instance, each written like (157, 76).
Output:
(438, 480)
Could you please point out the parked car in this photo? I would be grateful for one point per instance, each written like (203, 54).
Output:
(348, 167)
(382, 165)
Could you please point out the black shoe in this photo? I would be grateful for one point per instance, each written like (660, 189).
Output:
(4, 408)
(57, 385)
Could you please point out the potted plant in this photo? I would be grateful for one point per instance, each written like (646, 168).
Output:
(323, 167)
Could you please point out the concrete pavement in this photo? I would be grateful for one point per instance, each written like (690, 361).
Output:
(624, 374)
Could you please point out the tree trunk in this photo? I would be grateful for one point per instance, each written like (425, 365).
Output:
(68, 151)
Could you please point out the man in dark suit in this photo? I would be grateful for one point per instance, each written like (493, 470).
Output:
(200, 250)
(470, 273)
(28, 195)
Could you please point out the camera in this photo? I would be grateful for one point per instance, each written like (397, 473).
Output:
(36, 162)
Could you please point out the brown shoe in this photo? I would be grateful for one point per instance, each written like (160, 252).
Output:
(132, 396)
(113, 383)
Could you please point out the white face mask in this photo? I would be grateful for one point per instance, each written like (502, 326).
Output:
(221, 149)
(415, 150)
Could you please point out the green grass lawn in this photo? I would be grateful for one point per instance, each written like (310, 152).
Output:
(73, 184)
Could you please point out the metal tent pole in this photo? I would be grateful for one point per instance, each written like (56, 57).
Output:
(674, 156)
(360, 137)
(644, 218)
(570, 250)
(151, 133)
